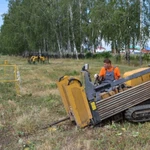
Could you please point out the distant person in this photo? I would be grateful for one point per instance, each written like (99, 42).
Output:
(108, 73)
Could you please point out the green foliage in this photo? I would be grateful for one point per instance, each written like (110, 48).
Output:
(118, 58)
(72, 73)
(98, 55)
(88, 55)
(137, 57)
(106, 54)
(102, 55)
(53, 85)
(134, 57)
(29, 146)
(38, 25)
(146, 57)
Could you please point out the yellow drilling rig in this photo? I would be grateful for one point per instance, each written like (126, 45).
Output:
(91, 104)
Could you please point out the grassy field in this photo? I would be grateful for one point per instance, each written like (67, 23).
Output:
(39, 104)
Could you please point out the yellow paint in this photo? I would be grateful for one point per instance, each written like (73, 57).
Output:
(52, 129)
(61, 87)
(138, 80)
(5, 62)
(93, 106)
(37, 58)
(26, 148)
(14, 74)
(75, 101)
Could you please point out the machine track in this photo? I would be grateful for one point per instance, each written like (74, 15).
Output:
(140, 113)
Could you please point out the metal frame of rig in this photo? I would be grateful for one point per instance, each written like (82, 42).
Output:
(128, 97)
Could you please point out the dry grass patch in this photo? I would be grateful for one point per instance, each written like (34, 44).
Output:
(40, 104)
(46, 93)
(44, 146)
(33, 120)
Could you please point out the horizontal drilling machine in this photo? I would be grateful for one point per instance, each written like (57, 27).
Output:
(91, 104)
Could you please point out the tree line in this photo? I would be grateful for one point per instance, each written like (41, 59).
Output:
(65, 26)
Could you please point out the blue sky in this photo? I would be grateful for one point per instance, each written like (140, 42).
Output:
(3, 9)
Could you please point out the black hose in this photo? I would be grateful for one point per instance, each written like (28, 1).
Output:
(56, 122)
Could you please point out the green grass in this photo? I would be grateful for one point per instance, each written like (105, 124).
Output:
(22, 117)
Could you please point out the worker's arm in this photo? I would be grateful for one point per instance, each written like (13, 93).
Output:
(117, 73)
(101, 74)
